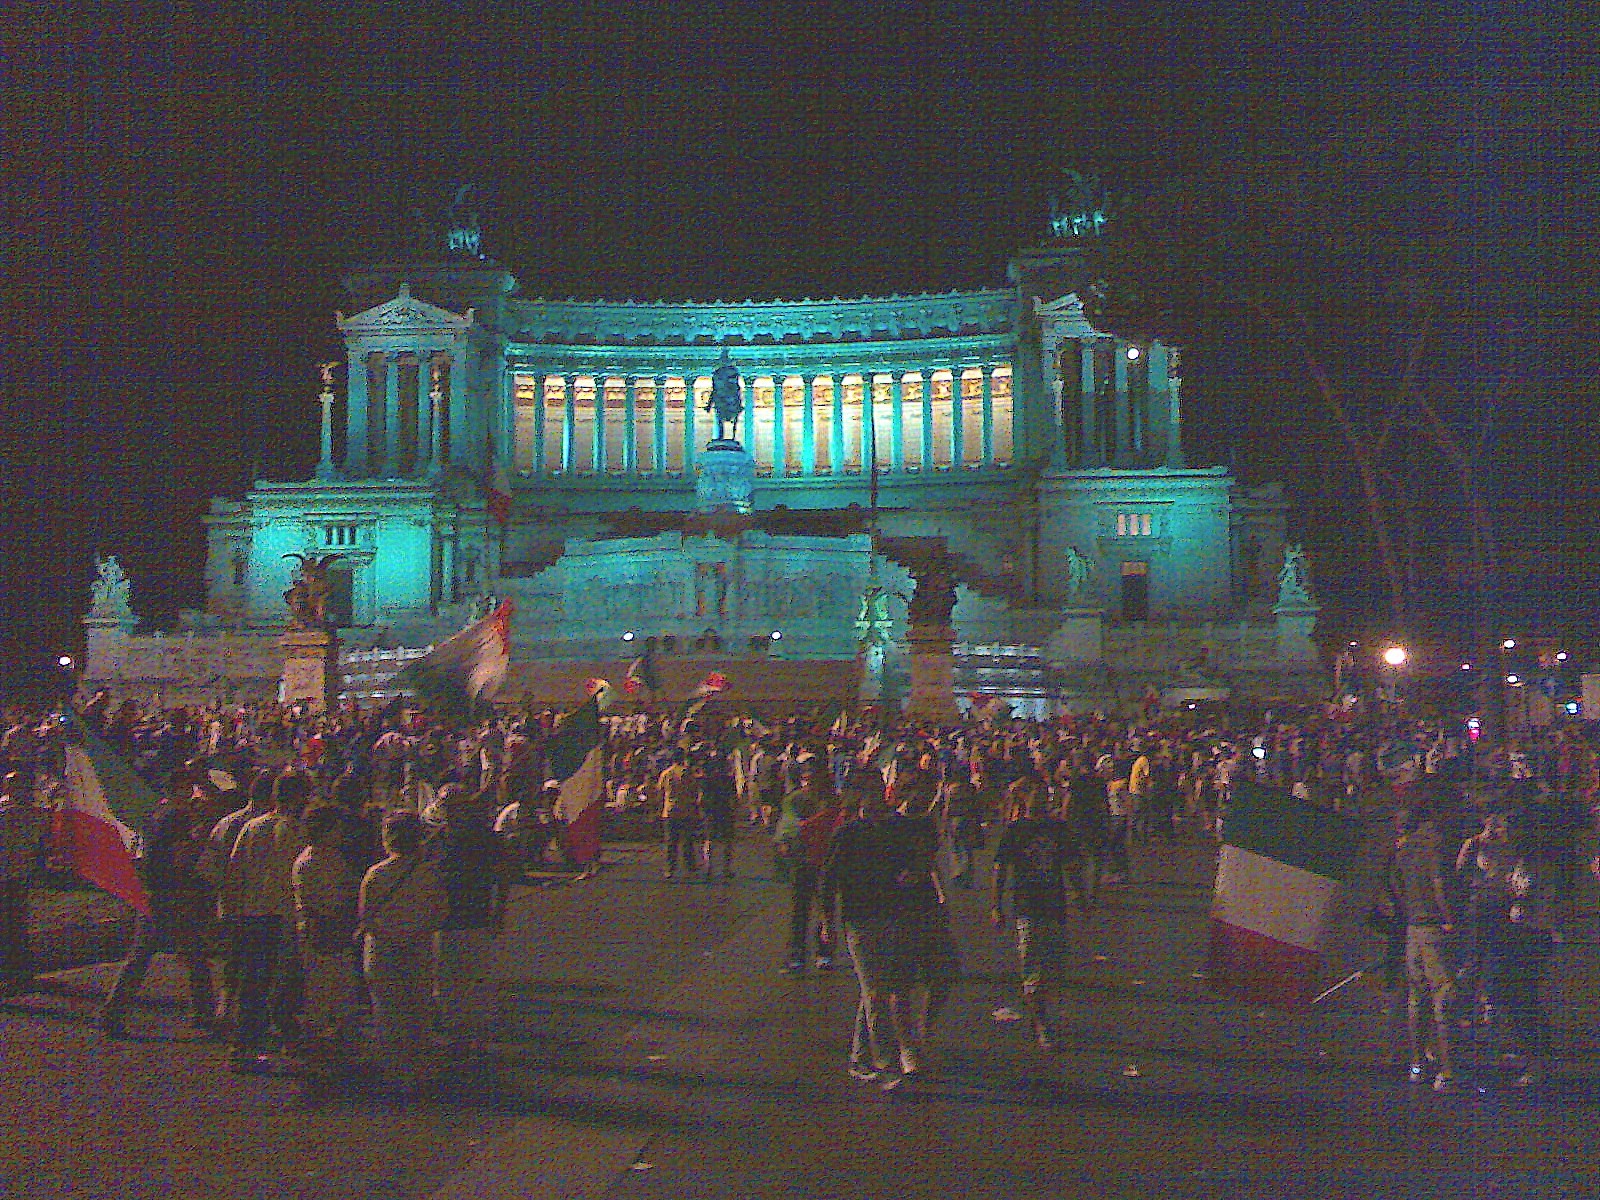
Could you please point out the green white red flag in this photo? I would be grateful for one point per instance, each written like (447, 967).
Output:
(1282, 864)
(96, 828)
(574, 753)
(465, 669)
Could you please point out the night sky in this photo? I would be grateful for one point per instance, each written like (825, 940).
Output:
(181, 196)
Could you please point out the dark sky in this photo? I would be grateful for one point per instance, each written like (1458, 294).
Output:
(180, 197)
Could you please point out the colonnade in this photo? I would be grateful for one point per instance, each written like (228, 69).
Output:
(796, 423)
(405, 405)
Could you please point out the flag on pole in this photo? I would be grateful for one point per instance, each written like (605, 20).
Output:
(1283, 861)
(642, 674)
(711, 686)
(106, 803)
(465, 668)
(499, 494)
(574, 751)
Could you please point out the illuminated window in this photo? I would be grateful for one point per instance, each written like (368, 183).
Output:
(335, 536)
(1134, 525)
(913, 430)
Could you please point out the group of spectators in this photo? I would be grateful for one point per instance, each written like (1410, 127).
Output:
(319, 852)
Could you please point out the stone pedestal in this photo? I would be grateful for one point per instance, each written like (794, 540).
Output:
(933, 674)
(727, 478)
(310, 668)
(1295, 624)
(1079, 639)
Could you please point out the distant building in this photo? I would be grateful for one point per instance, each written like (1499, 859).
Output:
(1039, 457)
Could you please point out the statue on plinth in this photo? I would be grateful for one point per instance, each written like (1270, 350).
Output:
(463, 235)
(308, 597)
(1084, 213)
(111, 594)
(1080, 569)
(726, 398)
(873, 622)
(1294, 579)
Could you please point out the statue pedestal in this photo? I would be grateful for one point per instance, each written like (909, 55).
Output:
(1295, 623)
(310, 668)
(1080, 638)
(933, 674)
(727, 478)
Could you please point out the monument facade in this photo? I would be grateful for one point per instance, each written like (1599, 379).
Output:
(746, 469)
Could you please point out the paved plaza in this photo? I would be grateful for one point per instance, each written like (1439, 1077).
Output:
(652, 1048)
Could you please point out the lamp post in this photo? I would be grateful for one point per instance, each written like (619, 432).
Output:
(1394, 658)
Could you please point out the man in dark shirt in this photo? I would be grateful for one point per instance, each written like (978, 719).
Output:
(871, 867)
(1417, 892)
(1034, 857)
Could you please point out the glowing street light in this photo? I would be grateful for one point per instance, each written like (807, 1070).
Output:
(628, 636)
(1509, 644)
(66, 662)
(1561, 656)
(1133, 353)
(1395, 656)
(1513, 680)
(1466, 666)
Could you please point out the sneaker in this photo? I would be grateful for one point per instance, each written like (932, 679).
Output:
(888, 1081)
(1416, 1073)
(1047, 1043)
(864, 1072)
(795, 966)
(909, 1063)
(823, 963)
(1444, 1082)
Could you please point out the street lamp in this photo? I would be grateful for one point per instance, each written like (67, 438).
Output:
(1394, 657)
(1509, 644)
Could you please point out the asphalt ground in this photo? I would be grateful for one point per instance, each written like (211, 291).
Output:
(651, 1047)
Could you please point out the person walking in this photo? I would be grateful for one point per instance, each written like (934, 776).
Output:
(1417, 888)
(717, 819)
(175, 837)
(402, 905)
(679, 791)
(1032, 862)
(812, 812)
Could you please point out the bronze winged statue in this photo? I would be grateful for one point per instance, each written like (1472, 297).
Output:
(308, 598)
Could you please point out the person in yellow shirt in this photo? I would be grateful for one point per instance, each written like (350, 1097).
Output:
(680, 812)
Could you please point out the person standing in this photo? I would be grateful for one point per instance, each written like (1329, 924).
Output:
(1418, 891)
(1088, 813)
(402, 905)
(174, 839)
(811, 814)
(717, 802)
(22, 828)
(325, 920)
(257, 899)
(476, 874)
(1531, 937)
(1033, 860)
(679, 791)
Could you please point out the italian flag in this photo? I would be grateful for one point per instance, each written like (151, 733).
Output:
(574, 751)
(105, 803)
(466, 668)
(1278, 877)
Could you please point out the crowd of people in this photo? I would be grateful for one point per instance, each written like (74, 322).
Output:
(330, 856)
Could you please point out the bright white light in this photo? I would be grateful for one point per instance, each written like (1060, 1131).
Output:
(777, 635)
(1572, 708)
(1513, 680)
(628, 637)
(1133, 353)
(1466, 666)
(1561, 656)
(1395, 656)
(1509, 644)
(65, 662)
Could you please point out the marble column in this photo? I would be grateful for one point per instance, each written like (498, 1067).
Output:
(658, 433)
(1122, 451)
(897, 428)
(598, 447)
(537, 464)
(325, 468)
(456, 441)
(808, 431)
(506, 447)
(836, 440)
(569, 424)
(355, 449)
(630, 449)
(987, 374)
(780, 448)
(925, 394)
(436, 440)
(1091, 446)
(391, 416)
(958, 432)
(689, 447)
(428, 461)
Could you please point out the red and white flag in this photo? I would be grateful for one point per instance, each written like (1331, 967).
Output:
(574, 751)
(1278, 878)
(96, 828)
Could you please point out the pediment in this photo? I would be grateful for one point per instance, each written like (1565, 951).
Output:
(405, 313)
(1065, 315)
